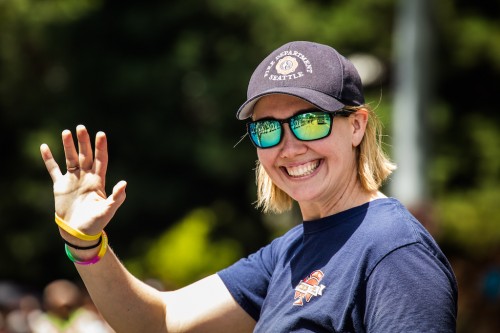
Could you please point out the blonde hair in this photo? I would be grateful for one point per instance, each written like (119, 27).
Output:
(374, 166)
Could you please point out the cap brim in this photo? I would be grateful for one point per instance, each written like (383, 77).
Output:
(316, 98)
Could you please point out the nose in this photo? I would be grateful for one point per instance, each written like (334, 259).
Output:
(291, 146)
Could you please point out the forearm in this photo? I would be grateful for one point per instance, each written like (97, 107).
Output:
(127, 304)
(83, 211)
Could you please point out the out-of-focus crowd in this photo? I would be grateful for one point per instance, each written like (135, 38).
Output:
(62, 307)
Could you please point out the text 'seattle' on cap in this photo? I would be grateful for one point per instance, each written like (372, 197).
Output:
(314, 72)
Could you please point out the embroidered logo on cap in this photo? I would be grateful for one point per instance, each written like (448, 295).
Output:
(285, 66)
(309, 287)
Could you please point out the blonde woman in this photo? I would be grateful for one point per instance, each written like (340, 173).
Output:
(359, 262)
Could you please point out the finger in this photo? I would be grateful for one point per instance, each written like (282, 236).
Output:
(101, 154)
(70, 151)
(116, 199)
(85, 157)
(50, 162)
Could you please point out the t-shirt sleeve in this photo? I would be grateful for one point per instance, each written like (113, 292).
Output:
(248, 279)
(411, 290)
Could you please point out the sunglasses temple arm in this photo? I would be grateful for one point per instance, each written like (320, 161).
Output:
(237, 143)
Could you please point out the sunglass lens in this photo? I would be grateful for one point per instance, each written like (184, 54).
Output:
(311, 126)
(265, 133)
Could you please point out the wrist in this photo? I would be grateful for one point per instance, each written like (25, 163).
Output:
(76, 242)
(87, 255)
(81, 248)
(75, 232)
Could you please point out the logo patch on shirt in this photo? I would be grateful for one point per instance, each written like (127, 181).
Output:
(308, 288)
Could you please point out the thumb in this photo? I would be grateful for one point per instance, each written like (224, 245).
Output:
(116, 199)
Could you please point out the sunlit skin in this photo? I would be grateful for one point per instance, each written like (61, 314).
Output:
(325, 178)
(331, 185)
(128, 304)
(80, 196)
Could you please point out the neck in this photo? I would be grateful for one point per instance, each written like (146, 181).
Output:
(350, 198)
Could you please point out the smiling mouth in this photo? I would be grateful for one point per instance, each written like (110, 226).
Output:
(302, 170)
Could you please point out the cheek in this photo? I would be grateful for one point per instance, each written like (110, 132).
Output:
(267, 160)
(337, 149)
(342, 140)
(265, 157)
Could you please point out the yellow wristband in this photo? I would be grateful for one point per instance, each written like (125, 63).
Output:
(73, 232)
(100, 254)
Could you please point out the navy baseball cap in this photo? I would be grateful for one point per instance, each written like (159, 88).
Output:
(314, 72)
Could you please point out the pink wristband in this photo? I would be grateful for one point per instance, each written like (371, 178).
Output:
(91, 261)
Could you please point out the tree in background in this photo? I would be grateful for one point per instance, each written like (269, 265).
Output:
(164, 79)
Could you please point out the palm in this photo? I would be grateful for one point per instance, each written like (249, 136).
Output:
(79, 195)
(80, 198)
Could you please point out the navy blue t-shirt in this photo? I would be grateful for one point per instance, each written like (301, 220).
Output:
(372, 268)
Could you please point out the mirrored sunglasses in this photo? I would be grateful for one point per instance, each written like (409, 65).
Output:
(309, 125)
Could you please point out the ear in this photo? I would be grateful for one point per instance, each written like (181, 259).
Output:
(359, 120)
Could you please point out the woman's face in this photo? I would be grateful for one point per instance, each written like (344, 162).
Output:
(318, 173)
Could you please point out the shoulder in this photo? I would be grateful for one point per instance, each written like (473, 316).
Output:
(411, 291)
(406, 273)
(264, 261)
(387, 227)
(387, 220)
(279, 247)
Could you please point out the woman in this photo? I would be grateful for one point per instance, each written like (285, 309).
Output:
(360, 262)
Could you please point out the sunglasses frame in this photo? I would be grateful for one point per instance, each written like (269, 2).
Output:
(341, 112)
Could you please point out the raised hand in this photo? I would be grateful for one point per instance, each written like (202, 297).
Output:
(79, 194)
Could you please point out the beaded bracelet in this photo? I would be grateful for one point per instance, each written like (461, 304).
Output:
(73, 232)
(91, 261)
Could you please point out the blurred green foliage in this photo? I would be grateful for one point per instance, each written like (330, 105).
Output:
(164, 79)
(187, 251)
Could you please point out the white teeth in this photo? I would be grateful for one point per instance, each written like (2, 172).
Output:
(302, 170)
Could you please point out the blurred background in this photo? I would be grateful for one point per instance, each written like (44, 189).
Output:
(164, 79)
